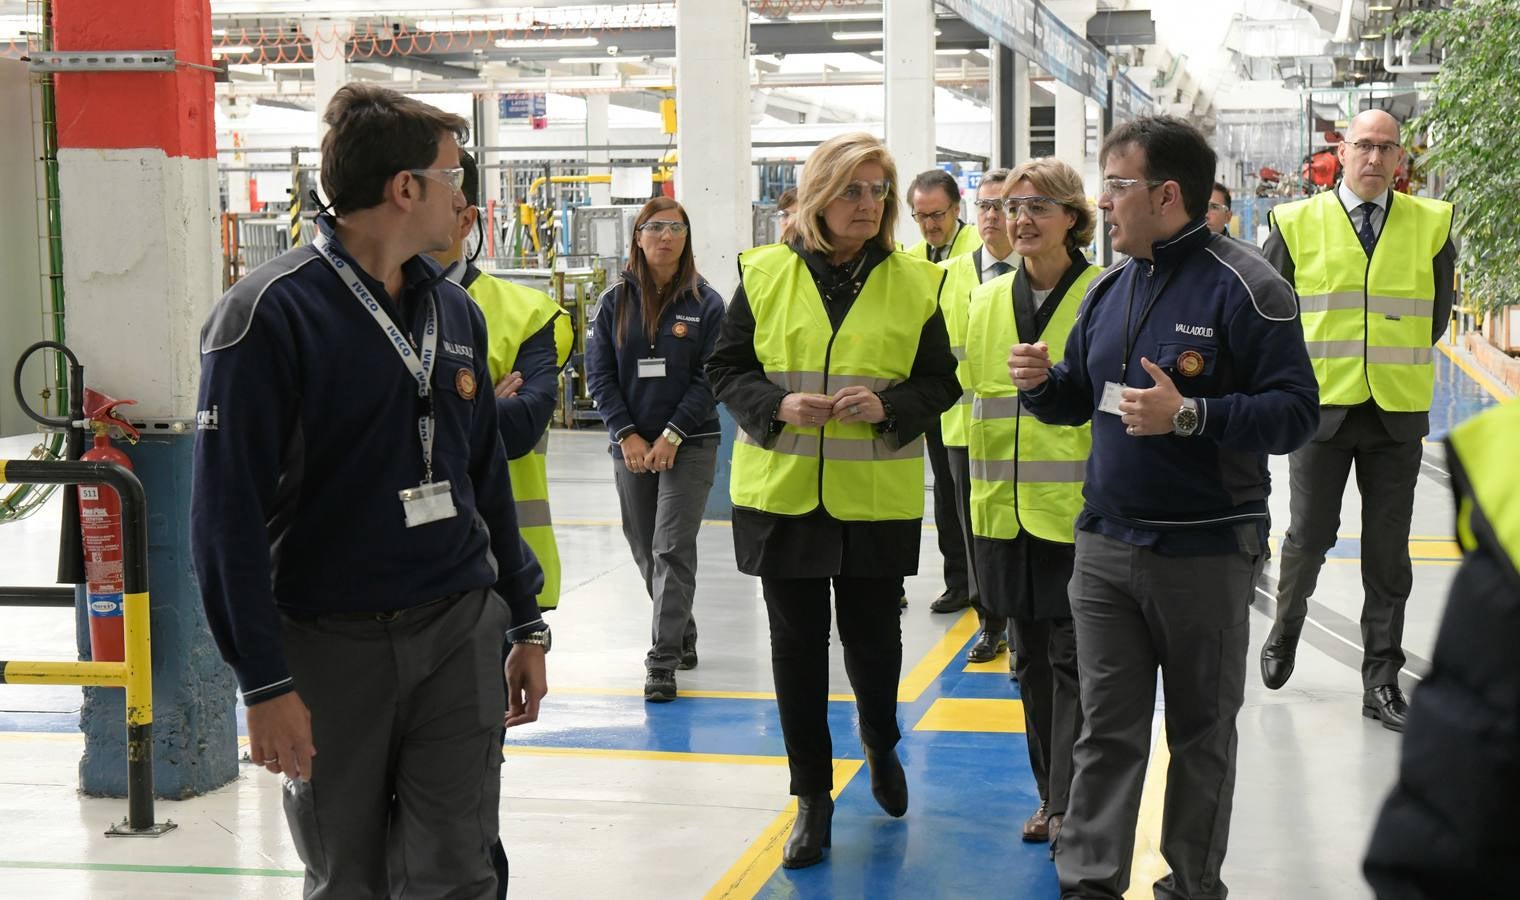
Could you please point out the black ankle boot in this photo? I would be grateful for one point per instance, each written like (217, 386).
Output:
(815, 816)
(889, 783)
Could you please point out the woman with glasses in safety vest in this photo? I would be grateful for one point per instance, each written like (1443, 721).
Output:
(1026, 476)
(833, 360)
(652, 333)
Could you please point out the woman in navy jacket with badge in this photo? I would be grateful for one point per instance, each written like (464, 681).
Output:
(651, 337)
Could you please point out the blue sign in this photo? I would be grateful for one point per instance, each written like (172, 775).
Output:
(521, 105)
(1130, 102)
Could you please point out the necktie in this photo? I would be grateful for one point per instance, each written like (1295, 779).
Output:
(1000, 268)
(1365, 233)
(936, 254)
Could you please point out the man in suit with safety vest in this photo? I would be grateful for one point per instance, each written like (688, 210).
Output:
(1374, 270)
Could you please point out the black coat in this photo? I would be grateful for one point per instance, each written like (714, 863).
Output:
(817, 545)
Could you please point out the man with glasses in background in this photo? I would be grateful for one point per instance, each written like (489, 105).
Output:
(935, 198)
(354, 535)
(1219, 215)
(1189, 362)
(993, 258)
(1374, 272)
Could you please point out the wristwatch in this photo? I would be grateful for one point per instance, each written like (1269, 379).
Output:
(1185, 421)
(673, 436)
(541, 638)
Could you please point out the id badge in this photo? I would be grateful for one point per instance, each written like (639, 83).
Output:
(426, 503)
(1113, 392)
(651, 368)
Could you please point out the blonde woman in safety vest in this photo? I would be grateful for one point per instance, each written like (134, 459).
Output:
(834, 360)
(1026, 476)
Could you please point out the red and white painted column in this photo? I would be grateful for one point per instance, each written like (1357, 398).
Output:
(138, 185)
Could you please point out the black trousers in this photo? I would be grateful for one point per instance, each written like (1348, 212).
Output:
(1048, 684)
(870, 629)
(947, 517)
(958, 461)
(1386, 472)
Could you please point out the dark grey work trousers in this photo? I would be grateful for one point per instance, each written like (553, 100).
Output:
(952, 543)
(1136, 610)
(1046, 650)
(870, 629)
(662, 512)
(1386, 473)
(958, 461)
(406, 717)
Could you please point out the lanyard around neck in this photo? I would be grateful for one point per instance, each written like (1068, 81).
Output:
(421, 369)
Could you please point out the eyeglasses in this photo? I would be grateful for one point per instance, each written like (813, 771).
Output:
(992, 205)
(781, 214)
(454, 178)
(1367, 148)
(1218, 207)
(660, 226)
(931, 217)
(855, 191)
(1115, 187)
(1036, 207)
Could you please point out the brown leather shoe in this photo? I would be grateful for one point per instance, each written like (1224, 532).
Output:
(1055, 823)
(1037, 826)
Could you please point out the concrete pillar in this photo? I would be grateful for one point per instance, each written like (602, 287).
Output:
(1071, 127)
(1020, 109)
(490, 173)
(329, 50)
(908, 52)
(714, 175)
(597, 106)
(142, 146)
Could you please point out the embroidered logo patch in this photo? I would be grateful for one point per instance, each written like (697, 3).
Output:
(464, 383)
(679, 330)
(1190, 363)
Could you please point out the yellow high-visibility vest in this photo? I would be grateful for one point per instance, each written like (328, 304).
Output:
(965, 240)
(1482, 446)
(513, 314)
(849, 469)
(962, 276)
(1025, 475)
(1367, 321)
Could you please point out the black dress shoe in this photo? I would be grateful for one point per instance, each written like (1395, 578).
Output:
(660, 686)
(949, 602)
(987, 647)
(688, 654)
(1385, 702)
(902, 602)
(1277, 660)
(810, 833)
(889, 783)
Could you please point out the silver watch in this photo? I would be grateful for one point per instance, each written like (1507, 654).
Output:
(1185, 420)
(672, 436)
(541, 638)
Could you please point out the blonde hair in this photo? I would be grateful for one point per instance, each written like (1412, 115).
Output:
(1061, 183)
(828, 171)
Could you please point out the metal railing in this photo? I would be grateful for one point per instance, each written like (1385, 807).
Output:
(135, 672)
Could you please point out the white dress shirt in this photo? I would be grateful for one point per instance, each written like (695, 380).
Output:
(1351, 201)
(988, 261)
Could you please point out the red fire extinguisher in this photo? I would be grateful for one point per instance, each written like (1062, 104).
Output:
(100, 524)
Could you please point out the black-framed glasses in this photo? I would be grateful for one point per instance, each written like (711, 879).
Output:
(1367, 148)
(454, 177)
(1035, 206)
(1218, 207)
(931, 217)
(658, 227)
(856, 191)
(1116, 187)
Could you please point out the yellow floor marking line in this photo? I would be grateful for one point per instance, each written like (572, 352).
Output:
(1148, 866)
(939, 656)
(728, 759)
(998, 666)
(1483, 381)
(747, 876)
(986, 716)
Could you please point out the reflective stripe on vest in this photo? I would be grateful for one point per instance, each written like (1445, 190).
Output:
(1025, 475)
(847, 468)
(513, 314)
(1483, 445)
(961, 277)
(1367, 321)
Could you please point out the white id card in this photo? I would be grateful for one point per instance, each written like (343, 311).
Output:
(426, 503)
(651, 368)
(1112, 394)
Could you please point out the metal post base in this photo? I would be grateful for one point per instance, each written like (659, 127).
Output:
(122, 829)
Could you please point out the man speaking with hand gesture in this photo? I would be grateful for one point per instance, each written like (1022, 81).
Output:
(1190, 364)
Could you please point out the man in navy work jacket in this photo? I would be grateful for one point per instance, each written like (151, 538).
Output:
(354, 532)
(1190, 363)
